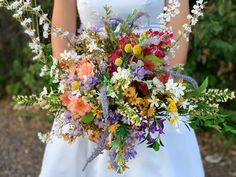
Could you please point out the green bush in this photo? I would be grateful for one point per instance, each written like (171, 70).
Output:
(213, 47)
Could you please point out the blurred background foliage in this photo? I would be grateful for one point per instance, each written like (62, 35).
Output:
(212, 52)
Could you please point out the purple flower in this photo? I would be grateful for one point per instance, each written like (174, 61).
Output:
(140, 72)
(161, 126)
(71, 79)
(113, 117)
(151, 141)
(153, 128)
(90, 82)
(141, 136)
(143, 126)
(130, 153)
(67, 116)
(100, 122)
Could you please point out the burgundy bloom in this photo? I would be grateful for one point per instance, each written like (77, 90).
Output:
(114, 55)
(148, 65)
(123, 41)
(160, 54)
(143, 87)
(164, 77)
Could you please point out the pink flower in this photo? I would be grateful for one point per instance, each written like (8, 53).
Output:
(79, 106)
(85, 69)
(72, 70)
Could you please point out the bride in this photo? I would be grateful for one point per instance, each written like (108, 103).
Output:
(179, 158)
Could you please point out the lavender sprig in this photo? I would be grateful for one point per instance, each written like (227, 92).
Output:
(184, 77)
(137, 16)
(99, 149)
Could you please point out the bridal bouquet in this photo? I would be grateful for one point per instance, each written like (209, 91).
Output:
(115, 87)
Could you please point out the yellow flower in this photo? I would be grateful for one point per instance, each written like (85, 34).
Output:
(112, 128)
(130, 92)
(118, 62)
(128, 48)
(172, 106)
(110, 167)
(75, 85)
(137, 50)
(96, 112)
(173, 120)
(94, 136)
(180, 101)
(144, 111)
(135, 101)
(144, 102)
(151, 112)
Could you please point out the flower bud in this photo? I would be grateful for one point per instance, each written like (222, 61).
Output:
(128, 48)
(137, 50)
(118, 62)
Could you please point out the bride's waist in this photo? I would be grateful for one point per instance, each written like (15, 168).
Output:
(138, 29)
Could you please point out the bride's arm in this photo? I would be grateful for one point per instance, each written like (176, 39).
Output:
(177, 24)
(64, 17)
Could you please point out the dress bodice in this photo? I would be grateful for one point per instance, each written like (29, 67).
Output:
(91, 11)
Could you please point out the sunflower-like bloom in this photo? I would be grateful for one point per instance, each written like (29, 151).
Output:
(151, 112)
(130, 92)
(112, 128)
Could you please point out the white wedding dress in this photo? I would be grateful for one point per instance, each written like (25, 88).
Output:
(179, 158)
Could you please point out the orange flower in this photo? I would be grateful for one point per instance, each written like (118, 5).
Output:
(72, 70)
(65, 99)
(151, 112)
(85, 69)
(94, 136)
(79, 106)
(112, 128)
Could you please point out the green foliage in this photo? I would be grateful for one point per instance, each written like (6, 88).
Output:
(18, 73)
(213, 47)
(88, 118)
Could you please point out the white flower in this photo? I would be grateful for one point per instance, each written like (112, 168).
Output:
(134, 65)
(191, 107)
(42, 19)
(70, 55)
(44, 92)
(176, 89)
(121, 78)
(44, 69)
(154, 101)
(120, 74)
(30, 32)
(37, 8)
(26, 22)
(62, 87)
(45, 30)
(14, 5)
(18, 13)
(92, 46)
(158, 85)
(184, 104)
(35, 46)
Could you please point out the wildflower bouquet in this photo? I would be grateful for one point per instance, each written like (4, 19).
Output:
(115, 86)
